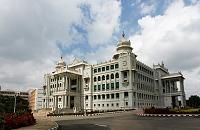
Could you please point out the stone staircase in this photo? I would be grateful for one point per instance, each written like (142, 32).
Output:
(66, 110)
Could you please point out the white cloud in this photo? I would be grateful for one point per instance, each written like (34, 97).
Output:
(106, 20)
(193, 1)
(30, 31)
(172, 38)
(101, 55)
(147, 9)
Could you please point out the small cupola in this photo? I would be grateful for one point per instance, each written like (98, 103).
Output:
(124, 46)
(60, 63)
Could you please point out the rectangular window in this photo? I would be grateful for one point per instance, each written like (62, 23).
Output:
(117, 95)
(125, 94)
(125, 74)
(107, 86)
(112, 95)
(95, 70)
(95, 96)
(116, 66)
(99, 69)
(99, 96)
(103, 86)
(107, 67)
(99, 87)
(103, 96)
(107, 96)
(95, 87)
(103, 68)
(117, 85)
(112, 86)
(86, 97)
(112, 66)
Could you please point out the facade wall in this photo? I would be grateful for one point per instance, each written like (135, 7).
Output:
(121, 83)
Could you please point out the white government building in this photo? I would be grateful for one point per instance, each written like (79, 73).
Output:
(121, 83)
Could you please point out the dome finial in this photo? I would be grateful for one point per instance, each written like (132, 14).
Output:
(123, 34)
(61, 57)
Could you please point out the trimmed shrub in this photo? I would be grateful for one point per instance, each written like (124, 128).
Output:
(2, 122)
(12, 121)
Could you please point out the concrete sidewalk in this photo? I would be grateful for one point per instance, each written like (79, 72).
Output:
(42, 123)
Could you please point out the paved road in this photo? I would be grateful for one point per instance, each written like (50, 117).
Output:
(128, 121)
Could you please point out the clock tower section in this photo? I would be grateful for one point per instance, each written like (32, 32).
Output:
(127, 64)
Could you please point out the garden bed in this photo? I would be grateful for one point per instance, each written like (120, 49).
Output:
(169, 111)
(19, 119)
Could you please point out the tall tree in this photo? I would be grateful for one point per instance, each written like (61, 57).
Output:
(194, 101)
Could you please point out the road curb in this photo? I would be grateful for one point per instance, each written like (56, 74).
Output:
(55, 128)
(166, 115)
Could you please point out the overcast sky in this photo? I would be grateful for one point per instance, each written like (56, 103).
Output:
(34, 34)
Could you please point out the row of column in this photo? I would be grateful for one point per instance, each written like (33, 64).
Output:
(66, 84)
(65, 102)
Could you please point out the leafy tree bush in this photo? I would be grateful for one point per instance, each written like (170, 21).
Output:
(20, 113)
(194, 101)
(7, 104)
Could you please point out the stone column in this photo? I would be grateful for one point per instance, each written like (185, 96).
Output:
(57, 83)
(183, 101)
(53, 103)
(69, 87)
(165, 86)
(66, 83)
(56, 103)
(63, 101)
(130, 94)
(136, 99)
(68, 101)
(170, 86)
(114, 81)
(77, 85)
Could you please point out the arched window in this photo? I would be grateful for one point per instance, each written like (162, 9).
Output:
(107, 76)
(117, 75)
(103, 77)
(112, 76)
(99, 78)
(95, 79)
(60, 84)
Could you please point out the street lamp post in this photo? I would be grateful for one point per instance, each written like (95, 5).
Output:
(15, 103)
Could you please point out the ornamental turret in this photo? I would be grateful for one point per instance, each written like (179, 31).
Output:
(123, 46)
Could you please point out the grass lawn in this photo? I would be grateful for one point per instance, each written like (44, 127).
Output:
(190, 110)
